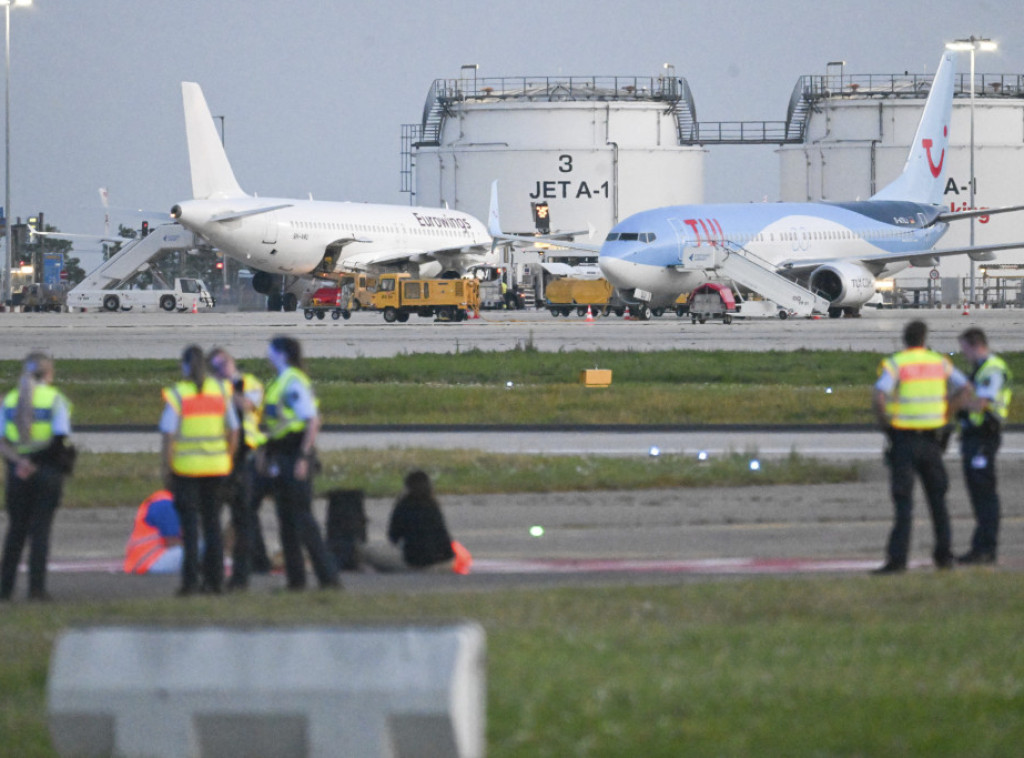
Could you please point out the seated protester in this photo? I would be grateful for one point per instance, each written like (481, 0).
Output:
(417, 536)
(155, 543)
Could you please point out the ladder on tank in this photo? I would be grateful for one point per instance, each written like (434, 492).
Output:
(756, 274)
(121, 266)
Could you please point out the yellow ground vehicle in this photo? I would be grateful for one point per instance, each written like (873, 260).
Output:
(399, 296)
(357, 291)
(563, 296)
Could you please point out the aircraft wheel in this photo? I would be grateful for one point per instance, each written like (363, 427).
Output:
(289, 302)
(111, 303)
(390, 315)
(167, 302)
(835, 312)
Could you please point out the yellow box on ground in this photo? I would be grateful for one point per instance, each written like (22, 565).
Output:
(596, 377)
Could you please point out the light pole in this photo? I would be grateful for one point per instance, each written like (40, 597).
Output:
(8, 257)
(972, 44)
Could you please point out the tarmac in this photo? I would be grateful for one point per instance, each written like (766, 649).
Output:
(589, 538)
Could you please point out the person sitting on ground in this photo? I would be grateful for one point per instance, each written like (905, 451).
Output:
(154, 546)
(418, 539)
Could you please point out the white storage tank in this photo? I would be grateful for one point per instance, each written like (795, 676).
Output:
(859, 131)
(595, 149)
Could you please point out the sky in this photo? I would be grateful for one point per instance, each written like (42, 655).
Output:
(314, 94)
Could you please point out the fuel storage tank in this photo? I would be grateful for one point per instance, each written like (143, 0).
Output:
(858, 130)
(595, 149)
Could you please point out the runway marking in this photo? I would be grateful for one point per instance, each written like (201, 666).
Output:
(730, 566)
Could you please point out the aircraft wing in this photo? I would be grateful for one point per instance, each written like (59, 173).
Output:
(364, 261)
(961, 215)
(64, 235)
(232, 215)
(548, 240)
(921, 259)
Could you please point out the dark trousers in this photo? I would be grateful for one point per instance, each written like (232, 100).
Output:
(978, 452)
(31, 505)
(293, 499)
(245, 490)
(198, 499)
(917, 453)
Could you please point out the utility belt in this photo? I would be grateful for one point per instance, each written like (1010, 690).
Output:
(990, 427)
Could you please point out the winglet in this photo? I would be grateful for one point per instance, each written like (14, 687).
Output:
(211, 172)
(924, 173)
(493, 222)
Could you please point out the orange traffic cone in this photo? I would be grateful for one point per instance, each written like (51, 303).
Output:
(590, 315)
(195, 306)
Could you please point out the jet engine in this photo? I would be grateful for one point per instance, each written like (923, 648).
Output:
(263, 282)
(844, 284)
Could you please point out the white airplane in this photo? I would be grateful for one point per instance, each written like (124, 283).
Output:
(811, 256)
(309, 238)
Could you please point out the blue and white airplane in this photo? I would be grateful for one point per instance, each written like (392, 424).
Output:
(830, 253)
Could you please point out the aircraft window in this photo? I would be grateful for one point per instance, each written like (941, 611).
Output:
(648, 237)
(612, 237)
(629, 237)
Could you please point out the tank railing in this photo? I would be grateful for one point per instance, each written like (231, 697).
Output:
(561, 88)
(821, 87)
(740, 132)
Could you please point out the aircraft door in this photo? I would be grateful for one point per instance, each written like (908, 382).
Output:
(680, 229)
(270, 230)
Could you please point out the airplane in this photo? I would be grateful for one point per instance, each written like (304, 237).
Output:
(309, 238)
(811, 256)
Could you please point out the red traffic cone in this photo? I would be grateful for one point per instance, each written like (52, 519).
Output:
(966, 312)
(590, 315)
(625, 316)
(195, 306)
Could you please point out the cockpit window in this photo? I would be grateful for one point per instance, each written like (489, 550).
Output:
(648, 237)
(612, 237)
(629, 237)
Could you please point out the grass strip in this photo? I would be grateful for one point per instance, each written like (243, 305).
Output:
(126, 479)
(920, 665)
(674, 386)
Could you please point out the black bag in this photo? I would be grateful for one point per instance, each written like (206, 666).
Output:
(346, 526)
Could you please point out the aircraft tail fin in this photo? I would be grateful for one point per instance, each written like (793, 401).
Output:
(493, 221)
(924, 174)
(212, 176)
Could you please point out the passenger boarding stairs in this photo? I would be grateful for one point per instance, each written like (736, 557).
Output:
(756, 274)
(134, 256)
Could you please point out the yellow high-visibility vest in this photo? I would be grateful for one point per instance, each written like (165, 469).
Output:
(254, 437)
(919, 399)
(44, 398)
(200, 444)
(279, 419)
(1000, 405)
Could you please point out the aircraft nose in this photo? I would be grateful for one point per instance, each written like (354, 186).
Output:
(615, 270)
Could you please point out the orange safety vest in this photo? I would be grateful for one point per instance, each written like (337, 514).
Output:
(200, 446)
(919, 399)
(145, 545)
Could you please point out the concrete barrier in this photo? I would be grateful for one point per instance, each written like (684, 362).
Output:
(204, 692)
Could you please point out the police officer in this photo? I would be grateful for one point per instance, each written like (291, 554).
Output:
(250, 551)
(911, 404)
(292, 420)
(199, 430)
(37, 423)
(981, 422)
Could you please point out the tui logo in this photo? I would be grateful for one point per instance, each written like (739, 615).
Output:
(927, 145)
